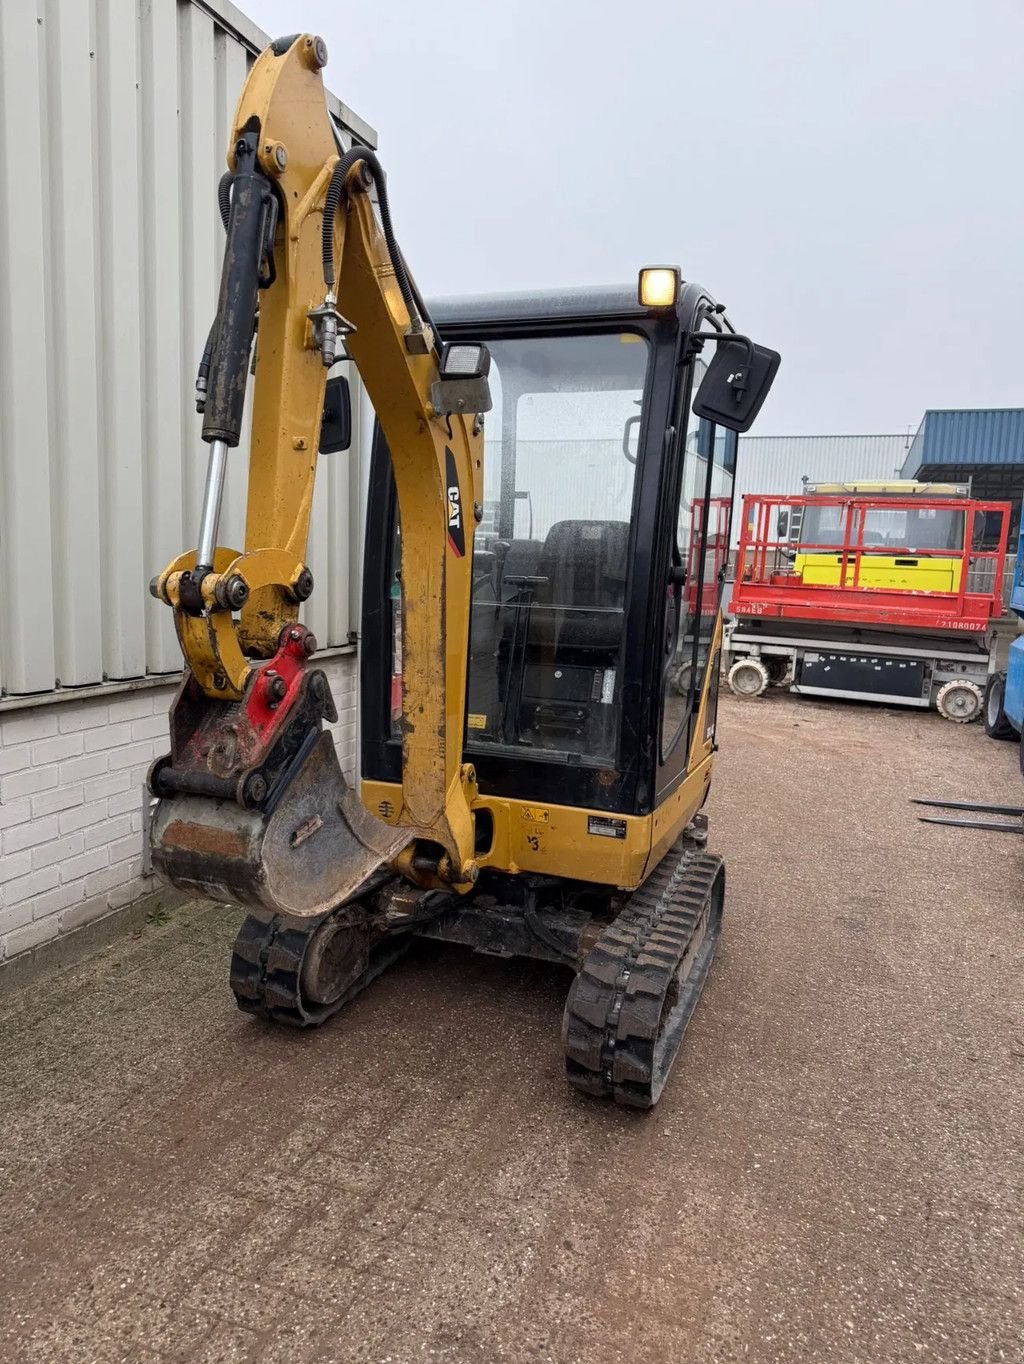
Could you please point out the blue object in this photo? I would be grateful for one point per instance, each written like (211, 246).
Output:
(1017, 587)
(966, 440)
(1013, 692)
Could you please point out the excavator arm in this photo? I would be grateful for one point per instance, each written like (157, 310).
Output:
(252, 803)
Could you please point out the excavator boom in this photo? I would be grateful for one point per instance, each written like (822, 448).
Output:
(253, 805)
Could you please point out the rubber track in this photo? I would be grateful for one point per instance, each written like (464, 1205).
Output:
(636, 991)
(266, 969)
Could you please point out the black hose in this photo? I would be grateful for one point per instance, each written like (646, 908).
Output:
(331, 201)
(410, 295)
(424, 312)
(224, 198)
(203, 372)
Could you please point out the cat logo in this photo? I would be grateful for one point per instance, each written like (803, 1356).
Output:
(456, 530)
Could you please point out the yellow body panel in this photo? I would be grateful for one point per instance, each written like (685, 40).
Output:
(903, 572)
(540, 838)
(559, 840)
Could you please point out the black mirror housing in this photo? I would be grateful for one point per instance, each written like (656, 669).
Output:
(336, 421)
(737, 382)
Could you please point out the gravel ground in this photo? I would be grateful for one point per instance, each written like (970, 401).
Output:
(834, 1174)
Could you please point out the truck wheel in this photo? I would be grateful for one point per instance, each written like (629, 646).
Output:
(997, 726)
(681, 679)
(747, 678)
(778, 670)
(959, 701)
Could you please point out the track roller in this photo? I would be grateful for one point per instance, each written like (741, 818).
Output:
(302, 971)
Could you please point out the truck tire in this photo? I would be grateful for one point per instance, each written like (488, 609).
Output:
(959, 701)
(778, 669)
(747, 678)
(997, 726)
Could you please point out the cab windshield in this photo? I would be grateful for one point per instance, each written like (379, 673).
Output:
(551, 553)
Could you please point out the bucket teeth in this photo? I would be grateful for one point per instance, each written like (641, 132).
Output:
(313, 849)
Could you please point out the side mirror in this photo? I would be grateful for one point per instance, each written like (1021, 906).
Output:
(336, 422)
(737, 382)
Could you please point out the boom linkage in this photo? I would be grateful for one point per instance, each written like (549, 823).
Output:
(253, 806)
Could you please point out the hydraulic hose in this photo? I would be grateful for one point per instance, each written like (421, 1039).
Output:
(203, 372)
(331, 201)
(417, 312)
(224, 198)
(424, 313)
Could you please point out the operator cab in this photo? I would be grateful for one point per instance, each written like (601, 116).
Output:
(551, 552)
(599, 552)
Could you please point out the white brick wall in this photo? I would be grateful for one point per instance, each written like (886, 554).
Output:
(72, 774)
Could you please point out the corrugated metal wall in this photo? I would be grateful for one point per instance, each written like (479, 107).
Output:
(777, 464)
(114, 117)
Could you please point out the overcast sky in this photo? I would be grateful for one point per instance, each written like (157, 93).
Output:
(845, 174)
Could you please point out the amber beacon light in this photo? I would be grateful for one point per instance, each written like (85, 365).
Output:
(659, 286)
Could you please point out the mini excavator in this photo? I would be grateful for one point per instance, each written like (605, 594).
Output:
(536, 584)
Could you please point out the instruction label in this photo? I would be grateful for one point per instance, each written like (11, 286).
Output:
(606, 828)
(535, 815)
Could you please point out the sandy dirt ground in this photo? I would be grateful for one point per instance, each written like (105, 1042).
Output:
(835, 1172)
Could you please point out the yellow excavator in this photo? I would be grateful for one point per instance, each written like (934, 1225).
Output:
(532, 779)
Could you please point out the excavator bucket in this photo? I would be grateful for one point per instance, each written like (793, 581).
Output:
(309, 851)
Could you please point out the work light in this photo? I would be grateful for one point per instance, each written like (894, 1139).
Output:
(659, 286)
(462, 361)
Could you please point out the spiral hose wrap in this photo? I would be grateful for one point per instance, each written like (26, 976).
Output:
(224, 198)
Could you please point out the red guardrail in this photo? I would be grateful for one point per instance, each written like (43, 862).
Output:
(767, 583)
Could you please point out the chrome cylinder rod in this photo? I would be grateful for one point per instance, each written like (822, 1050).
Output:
(213, 493)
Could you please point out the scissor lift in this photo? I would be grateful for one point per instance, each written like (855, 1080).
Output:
(885, 597)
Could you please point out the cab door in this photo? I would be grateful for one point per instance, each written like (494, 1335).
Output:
(695, 577)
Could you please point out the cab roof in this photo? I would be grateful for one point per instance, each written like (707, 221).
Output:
(530, 305)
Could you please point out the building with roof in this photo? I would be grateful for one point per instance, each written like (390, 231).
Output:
(984, 446)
